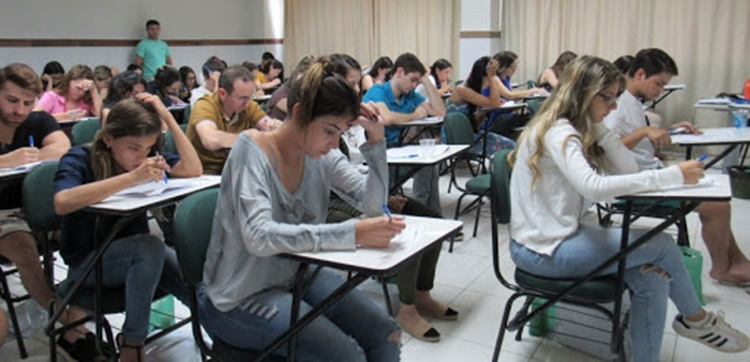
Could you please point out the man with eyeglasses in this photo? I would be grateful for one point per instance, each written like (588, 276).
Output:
(650, 71)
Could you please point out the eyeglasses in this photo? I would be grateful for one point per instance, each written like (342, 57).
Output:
(609, 100)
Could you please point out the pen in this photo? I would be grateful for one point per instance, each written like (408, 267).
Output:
(161, 158)
(31, 141)
(677, 130)
(703, 158)
(387, 211)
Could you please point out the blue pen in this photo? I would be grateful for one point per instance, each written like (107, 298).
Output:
(677, 130)
(387, 211)
(703, 158)
(31, 141)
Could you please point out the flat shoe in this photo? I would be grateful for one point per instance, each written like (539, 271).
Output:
(423, 331)
(731, 283)
(440, 311)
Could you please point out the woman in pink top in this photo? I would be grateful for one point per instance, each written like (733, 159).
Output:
(75, 97)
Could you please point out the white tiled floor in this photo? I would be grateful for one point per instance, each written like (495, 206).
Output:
(465, 280)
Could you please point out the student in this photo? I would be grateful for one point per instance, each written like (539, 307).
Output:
(188, 82)
(650, 71)
(566, 157)
(276, 106)
(19, 89)
(623, 63)
(467, 97)
(136, 68)
(217, 120)
(399, 103)
(166, 85)
(126, 85)
(273, 74)
(75, 97)
(265, 58)
(440, 75)
(275, 191)
(52, 75)
(256, 74)
(377, 74)
(103, 79)
(152, 52)
(549, 76)
(126, 152)
(211, 72)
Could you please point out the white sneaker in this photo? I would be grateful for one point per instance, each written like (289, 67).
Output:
(716, 333)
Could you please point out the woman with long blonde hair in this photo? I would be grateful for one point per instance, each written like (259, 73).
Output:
(567, 159)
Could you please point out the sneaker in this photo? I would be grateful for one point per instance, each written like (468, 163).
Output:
(83, 349)
(716, 333)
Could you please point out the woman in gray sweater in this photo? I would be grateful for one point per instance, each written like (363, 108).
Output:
(274, 200)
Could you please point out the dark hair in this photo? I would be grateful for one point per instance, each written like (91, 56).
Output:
(409, 63)
(122, 86)
(562, 61)
(232, 74)
(21, 75)
(78, 71)
(474, 82)
(128, 118)
(653, 61)
(213, 65)
(504, 60)
(185, 72)
(303, 65)
(623, 63)
(380, 63)
(102, 72)
(275, 64)
(439, 64)
(134, 66)
(250, 66)
(322, 91)
(341, 64)
(165, 76)
(267, 56)
(152, 22)
(53, 67)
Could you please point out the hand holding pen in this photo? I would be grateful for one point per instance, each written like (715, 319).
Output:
(692, 170)
(377, 232)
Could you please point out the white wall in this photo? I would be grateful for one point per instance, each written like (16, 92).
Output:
(478, 15)
(125, 20)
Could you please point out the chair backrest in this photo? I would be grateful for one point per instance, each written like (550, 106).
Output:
(85, 131)
(458, 130)
(533, 106)
(169, 144)
(37, 194)
(192, 227)
(500, 206)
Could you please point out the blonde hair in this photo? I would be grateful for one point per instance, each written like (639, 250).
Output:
(579, 84)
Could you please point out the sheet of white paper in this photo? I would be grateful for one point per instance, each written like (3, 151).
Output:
(155, 188)
(704, 182)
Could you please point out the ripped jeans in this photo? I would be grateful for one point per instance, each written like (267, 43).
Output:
(590, 246)
(354, 329)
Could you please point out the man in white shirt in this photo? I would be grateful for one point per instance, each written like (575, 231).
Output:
(650, 71)
(211, 70)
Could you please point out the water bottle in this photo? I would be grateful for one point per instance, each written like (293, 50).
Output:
(739, 118)
(31, 318)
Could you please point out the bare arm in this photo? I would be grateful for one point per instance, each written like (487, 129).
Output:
(511, 94)
(54, 146)
(367, 82)
(212, 138)
(392, 118)
(138, 61)
(549, 76)
(435, 105)
(657, 136)
(169, 59)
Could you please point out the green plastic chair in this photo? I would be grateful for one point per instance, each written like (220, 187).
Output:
(591, 294)
(193, 221)
(169, 144)
(85, 131)
(458, 131)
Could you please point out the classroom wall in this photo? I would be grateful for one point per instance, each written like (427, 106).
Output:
(480, 32)
(209, 27)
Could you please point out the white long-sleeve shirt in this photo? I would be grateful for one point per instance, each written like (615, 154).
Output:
(544, 215)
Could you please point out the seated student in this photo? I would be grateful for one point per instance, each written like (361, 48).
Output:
(502, 121)
(217, 120)
(19, 89)
(275, 196)
(273, 74)
(125, 153)
(52, 75)
(566, 157)
(125, 85)
(276, 106)
(166, 85)
(188, 82)
(377, 74)
(548, 78)
(650, 71)
(467, 97)
(76, 96)
(255, 72)
(265, 58)
(623, 63)
(136, 68)
(211, 70)
(399, 103)
(440, 76)
(103, 79)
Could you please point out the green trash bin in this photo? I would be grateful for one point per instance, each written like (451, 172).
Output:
(739, 178)
(162, 313)
(543, 322)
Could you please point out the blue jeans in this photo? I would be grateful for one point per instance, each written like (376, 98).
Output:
(142, 263)
(354, 329)
(590, 246)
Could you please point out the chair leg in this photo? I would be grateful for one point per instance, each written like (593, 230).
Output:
(683, 239)
(503, 327)
(388, 306)
(12, 315)
(476, 218)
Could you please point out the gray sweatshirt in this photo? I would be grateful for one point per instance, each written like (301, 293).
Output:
(257, 218)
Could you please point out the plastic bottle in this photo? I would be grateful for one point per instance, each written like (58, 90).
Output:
(739, 118)
(746, 91)
(31, 318)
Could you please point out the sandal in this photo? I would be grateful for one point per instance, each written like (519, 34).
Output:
(422, 331)
(439, 311)
(122, 344)
(82, 350)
